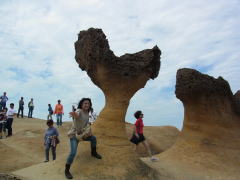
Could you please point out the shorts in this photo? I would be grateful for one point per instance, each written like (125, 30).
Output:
(136, 140)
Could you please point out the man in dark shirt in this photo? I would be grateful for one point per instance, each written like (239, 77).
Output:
(21, 107)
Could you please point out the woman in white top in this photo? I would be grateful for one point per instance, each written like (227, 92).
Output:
(78, 132)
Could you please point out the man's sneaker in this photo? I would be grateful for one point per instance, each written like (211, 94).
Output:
(154, 159)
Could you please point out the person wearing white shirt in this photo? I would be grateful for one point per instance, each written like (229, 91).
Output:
(10, 113)
(30, 107)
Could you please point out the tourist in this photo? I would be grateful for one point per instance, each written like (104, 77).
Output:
(50, 112)
(138, 136)
(3, 120)
(30, 108)
(59, 113)
(80, 131)
(50, 140)
(10, 113)
(3, 101)
(21, 107)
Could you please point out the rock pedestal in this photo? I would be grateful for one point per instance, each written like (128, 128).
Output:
(119, 78)
(209, 144)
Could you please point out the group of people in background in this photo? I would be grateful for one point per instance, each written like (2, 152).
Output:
(21, 108)
(6, 117)
(7, 114)
(58, 111)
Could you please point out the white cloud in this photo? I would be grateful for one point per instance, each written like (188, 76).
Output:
(38, 38)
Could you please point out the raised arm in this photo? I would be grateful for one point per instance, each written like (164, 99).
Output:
(74, 115)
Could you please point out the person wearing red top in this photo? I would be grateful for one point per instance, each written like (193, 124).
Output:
(138, 136)
(59, 112)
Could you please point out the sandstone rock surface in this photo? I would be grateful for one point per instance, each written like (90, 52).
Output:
(209, 144)
(236, 102)
(23, 153)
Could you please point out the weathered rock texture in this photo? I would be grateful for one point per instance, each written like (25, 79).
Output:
(209, 144)
(236, 102)
(119, 78)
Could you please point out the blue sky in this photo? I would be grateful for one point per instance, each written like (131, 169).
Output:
(37, 48)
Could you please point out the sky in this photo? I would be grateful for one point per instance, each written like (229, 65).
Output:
(37, 49)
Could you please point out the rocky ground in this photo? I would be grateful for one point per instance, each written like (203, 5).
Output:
(22, 155)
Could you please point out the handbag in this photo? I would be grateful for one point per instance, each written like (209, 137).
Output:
(134, 139)
(57, 140)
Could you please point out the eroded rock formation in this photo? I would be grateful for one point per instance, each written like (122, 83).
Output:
(119, 78)
(236, 102)
(209, 144)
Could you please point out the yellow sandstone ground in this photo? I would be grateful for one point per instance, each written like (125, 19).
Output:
(23, 153)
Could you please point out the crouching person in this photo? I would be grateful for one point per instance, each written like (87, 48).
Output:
(50, 140)
(80, 130)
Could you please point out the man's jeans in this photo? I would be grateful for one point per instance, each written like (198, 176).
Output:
(9, 126)
(74, 144)
(2, 105)
(30, 112)
(20, 109)
(59, 119)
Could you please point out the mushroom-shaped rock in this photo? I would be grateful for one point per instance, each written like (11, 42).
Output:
(119, 78)
(209, 144)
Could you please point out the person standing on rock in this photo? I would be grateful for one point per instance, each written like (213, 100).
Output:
(138, 136)
(10, 113)
(59, 113)
(50, 140)
(21, 107)
(30, 108)
(50, 112)
(3, 101)
(80, 131)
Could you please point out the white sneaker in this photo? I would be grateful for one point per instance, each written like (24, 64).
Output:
(154, 159)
